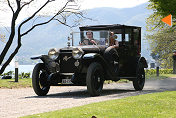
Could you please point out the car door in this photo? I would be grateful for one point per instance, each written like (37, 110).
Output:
(132, 50)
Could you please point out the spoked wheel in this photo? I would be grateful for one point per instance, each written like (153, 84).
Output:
(39, 80)
(95, 79)
(139, 81)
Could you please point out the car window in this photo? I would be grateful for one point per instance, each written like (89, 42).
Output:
(136, 36)
(86, 37)
(119, 37)
(118, 34)
(100, 37)
(127, 37)
(128, 32)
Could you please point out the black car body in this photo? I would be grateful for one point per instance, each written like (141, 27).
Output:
(91, 65)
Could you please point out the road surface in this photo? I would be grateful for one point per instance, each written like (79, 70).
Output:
(21, 102)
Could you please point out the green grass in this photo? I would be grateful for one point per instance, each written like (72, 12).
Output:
(10, 83)
(161, 76)
(157, 105)
(120, 81)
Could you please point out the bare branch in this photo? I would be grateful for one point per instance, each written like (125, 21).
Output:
(35, 20)
(64, 23)
(33, 14)
(18, 3)
(27, 3)
(10, 6)
(72, 9)
(64, 18)
(81, 14)
(59, 12)
(35, 26)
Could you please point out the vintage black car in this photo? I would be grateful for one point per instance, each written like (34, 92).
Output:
(89, 62)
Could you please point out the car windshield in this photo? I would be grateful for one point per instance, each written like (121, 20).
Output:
(90, 38)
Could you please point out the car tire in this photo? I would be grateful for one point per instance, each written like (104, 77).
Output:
(39, 80)
(139, 81)
(95, 79)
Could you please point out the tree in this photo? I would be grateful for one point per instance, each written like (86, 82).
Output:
(161, 9)
(67, 9)
(163, 43)
(160, 36)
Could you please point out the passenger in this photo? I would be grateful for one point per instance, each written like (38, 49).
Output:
(111, 53)
(112, 41)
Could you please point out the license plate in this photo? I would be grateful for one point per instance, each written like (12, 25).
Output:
(66, 81)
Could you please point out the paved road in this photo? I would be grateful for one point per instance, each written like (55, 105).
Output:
(20, 102)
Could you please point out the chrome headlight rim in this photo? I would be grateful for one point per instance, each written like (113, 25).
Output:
(77, 53)
(53, 53)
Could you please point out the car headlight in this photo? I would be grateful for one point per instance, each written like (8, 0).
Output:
(77, 53)
(53, 53)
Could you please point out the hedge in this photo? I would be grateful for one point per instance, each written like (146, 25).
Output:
(161, 71)
(20, 75)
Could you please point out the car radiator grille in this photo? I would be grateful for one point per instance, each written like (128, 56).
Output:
(67, 63)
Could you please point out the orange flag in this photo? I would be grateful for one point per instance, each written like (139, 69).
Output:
(168, 20)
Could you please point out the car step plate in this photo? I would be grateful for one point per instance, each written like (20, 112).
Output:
(66, 81)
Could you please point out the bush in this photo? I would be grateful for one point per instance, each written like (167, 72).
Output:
(21, 75)
(161, 71)
(10, 73)
(24, 75)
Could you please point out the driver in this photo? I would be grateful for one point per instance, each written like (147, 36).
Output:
(90, 40)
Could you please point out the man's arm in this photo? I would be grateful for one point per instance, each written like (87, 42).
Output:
(93, 42)
(84, 42)
(116, 44)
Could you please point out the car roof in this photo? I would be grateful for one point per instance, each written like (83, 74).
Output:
(106, 27)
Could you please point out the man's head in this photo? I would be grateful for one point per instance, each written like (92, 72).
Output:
(89, 35)
(111, 33)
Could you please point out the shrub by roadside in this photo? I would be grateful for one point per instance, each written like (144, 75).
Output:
(161, 71)
(21, 75)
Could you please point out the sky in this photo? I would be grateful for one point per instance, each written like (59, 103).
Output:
(5, 16)
(89, 4)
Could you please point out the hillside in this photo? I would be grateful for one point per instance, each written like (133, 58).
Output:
(40, 40)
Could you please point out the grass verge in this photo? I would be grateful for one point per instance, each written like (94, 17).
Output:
(158, 105)
(161, 76)
(10, 83)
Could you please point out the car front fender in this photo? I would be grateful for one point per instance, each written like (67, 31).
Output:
(44, 58)
(50, 64)
(95, 57)
(36, 57)
(90, 56)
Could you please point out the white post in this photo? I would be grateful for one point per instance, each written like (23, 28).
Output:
(16, 71)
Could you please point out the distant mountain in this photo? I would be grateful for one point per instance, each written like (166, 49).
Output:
(41, 39)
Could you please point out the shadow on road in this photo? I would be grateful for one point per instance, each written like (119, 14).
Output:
(150, 87)
(106, 92)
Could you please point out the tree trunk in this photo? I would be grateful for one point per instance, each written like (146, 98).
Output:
(9, 43)
(11, 56)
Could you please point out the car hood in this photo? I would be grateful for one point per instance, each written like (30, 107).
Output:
(86, 48)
